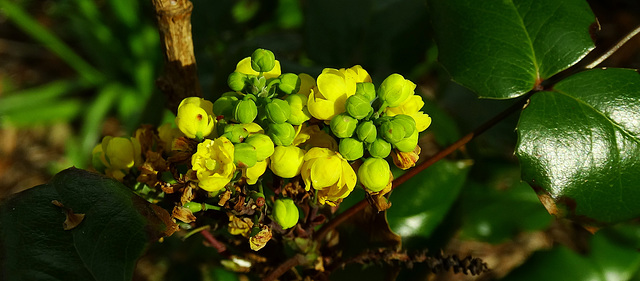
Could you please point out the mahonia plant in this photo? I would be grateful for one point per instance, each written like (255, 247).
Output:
(316, 139)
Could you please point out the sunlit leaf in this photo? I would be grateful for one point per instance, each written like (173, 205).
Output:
(579, 146)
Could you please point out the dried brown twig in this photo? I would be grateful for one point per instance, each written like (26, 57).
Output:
(180, 78)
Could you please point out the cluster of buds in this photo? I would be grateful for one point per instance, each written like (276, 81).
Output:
(323, 135)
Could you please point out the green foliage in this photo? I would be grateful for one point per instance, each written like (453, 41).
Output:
(503, 49)
(117, 69)
(579, 146)
(116, 228)
(420, 206)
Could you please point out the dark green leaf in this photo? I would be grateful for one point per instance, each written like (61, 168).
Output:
(421, 203)
(579, 146)
(503, 49)
(116, 229)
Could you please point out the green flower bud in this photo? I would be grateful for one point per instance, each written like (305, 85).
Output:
(343, 125)
(366, 89)
(278, 111)
(236, 133)
(373, 174)
(285, 213)
(367, 132)
(391, 131)
(245, 111)
(407, 144)
(262, 60)
(281, 134)
(358, 106)
(194, 207)
(263, 144)
(225, 105)
(351, 149)
(289, 83)
(394, 90)
(244, 155)
(299, 111)
(407, 122)
(237, 81)
(379, 148)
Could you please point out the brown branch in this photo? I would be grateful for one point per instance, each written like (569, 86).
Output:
(180, 78)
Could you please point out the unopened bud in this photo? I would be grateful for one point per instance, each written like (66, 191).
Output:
(281, 134)
(367, 132)
(373, 174)
(351, 149)
(299, 112)
(237, 81)
(225, 105)
(409, 143)
(379, 148)
(366, 89)
(278, 111)
(407, 122)
(245, 111)
(244, 155)
(285, 213)
(391, 131)
(343, 125)
(236, 133)
(262, 60)
(289, 83)
(263, 144)
(358, 106)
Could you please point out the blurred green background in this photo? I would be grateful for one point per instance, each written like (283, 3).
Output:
(72, 71)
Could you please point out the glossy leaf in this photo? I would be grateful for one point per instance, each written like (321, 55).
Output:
(579, 146)
(421, 203)
(116, 228)
(503, 49)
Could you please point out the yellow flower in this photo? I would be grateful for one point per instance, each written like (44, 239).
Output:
(244, 66)
(213, 163)
(357, 73)
(286, 161)
(328, 98)
(306, 84)
(312, 136)
(411, 107)
(195, 117)
(328, 173)
(253, 174)
(115, 156)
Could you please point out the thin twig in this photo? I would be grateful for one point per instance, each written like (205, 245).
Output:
(221, 248)
(613, 49)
